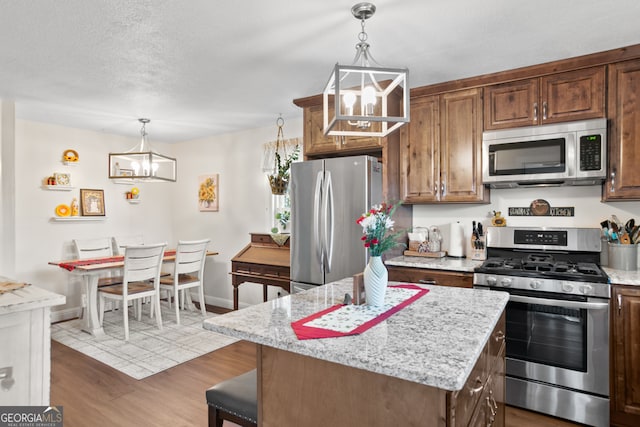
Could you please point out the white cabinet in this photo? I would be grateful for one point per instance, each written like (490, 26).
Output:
(25, 346)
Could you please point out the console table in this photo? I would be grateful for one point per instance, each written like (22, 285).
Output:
(262, 261)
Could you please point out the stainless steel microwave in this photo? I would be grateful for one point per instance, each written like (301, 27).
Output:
(572, 153)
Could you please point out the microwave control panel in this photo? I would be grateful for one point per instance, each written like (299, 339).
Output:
(590, 152)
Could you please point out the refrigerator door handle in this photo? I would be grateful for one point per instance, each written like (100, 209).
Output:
(328, 223)
(317, 207)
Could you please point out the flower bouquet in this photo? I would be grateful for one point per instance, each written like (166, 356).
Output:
(378, 237)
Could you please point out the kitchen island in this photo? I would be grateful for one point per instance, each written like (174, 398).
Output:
(438, 362)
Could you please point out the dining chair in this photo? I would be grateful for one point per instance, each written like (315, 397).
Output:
(96, 248)
(121, 242)
(141, 279)
(188, 272)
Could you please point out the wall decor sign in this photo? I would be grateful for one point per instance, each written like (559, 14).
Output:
(541, 207)
(208, 193)
(91, 202)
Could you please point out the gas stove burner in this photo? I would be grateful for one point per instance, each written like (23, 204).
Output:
(539, 258)
(544, 266)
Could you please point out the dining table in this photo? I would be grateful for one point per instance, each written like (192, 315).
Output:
(90, 269)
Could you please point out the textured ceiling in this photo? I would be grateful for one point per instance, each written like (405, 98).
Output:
(202, 67)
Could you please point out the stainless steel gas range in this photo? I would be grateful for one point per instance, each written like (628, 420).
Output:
(557, 332)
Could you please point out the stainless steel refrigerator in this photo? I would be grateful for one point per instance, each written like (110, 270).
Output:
(327, 197)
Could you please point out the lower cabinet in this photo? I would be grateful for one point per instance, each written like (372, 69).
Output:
(430, 277)
(625, 356)
(481, 400)
(25, 357)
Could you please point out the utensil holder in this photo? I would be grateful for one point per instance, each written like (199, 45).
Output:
(623, 257)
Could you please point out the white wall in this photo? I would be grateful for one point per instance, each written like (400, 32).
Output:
(245, 199)
(589, 210)
(39, 149)
(167, 212)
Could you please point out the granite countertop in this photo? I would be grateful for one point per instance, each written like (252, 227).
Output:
(434, 341)
(445, 263)
(622, 277)
(27, 298)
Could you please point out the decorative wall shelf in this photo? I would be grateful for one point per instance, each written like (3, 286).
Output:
(133, 201)
(68, 163)
(77, 218)
(58, 187)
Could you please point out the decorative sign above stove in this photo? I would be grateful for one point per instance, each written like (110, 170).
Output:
(541, 207)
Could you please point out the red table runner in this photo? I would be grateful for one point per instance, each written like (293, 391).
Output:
(355, 318)
(71, 265)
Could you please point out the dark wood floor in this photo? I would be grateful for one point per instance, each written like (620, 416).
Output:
(94, 394)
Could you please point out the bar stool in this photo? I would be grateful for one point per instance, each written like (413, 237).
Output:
(234, 400)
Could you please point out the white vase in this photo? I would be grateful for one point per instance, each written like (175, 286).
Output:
(375, 281)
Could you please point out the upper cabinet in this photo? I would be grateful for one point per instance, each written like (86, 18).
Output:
(623, 182)
(440, 149)
(315, 141)
(317, 144)
(561, 97)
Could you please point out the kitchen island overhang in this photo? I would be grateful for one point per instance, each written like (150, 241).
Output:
(431, 350)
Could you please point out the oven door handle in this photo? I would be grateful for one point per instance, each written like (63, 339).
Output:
(560, 303)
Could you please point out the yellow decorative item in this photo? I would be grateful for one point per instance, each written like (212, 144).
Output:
(63, 210)
(135, 191)
(70, 156)
(74, 207)
(498, 220)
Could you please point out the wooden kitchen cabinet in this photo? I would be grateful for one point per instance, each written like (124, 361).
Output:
(441, 149)
(623, 181)
(560, 97)
(625, 356)
(430, 277)
(317, 144)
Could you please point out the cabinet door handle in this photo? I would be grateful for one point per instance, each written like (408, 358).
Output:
(544, 110)
(612, 188)
(499, 336)
(428, 281)
(478, 388)
(493, 411)
(619, 304)
(535, 112)
(6, 378)
(444, 188)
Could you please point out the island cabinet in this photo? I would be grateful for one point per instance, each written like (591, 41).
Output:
(625, 357)
(322, 393)
(560, 97)
(441, 149)
(623, 182)
(430, 277)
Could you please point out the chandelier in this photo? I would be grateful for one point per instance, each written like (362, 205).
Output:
(365, 99)
(141, 163)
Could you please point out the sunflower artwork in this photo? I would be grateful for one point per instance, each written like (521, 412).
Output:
(208, 193)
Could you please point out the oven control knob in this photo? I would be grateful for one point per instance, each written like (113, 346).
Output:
(567, 287)
(586, 289)
(535, 284)
(506, 282)
(491, 281)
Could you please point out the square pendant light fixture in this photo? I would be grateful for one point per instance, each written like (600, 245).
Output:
(365, 99)
(141, 163)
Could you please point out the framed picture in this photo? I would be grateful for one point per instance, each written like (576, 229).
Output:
(91, 202)
(62, 178)
(208, 193)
